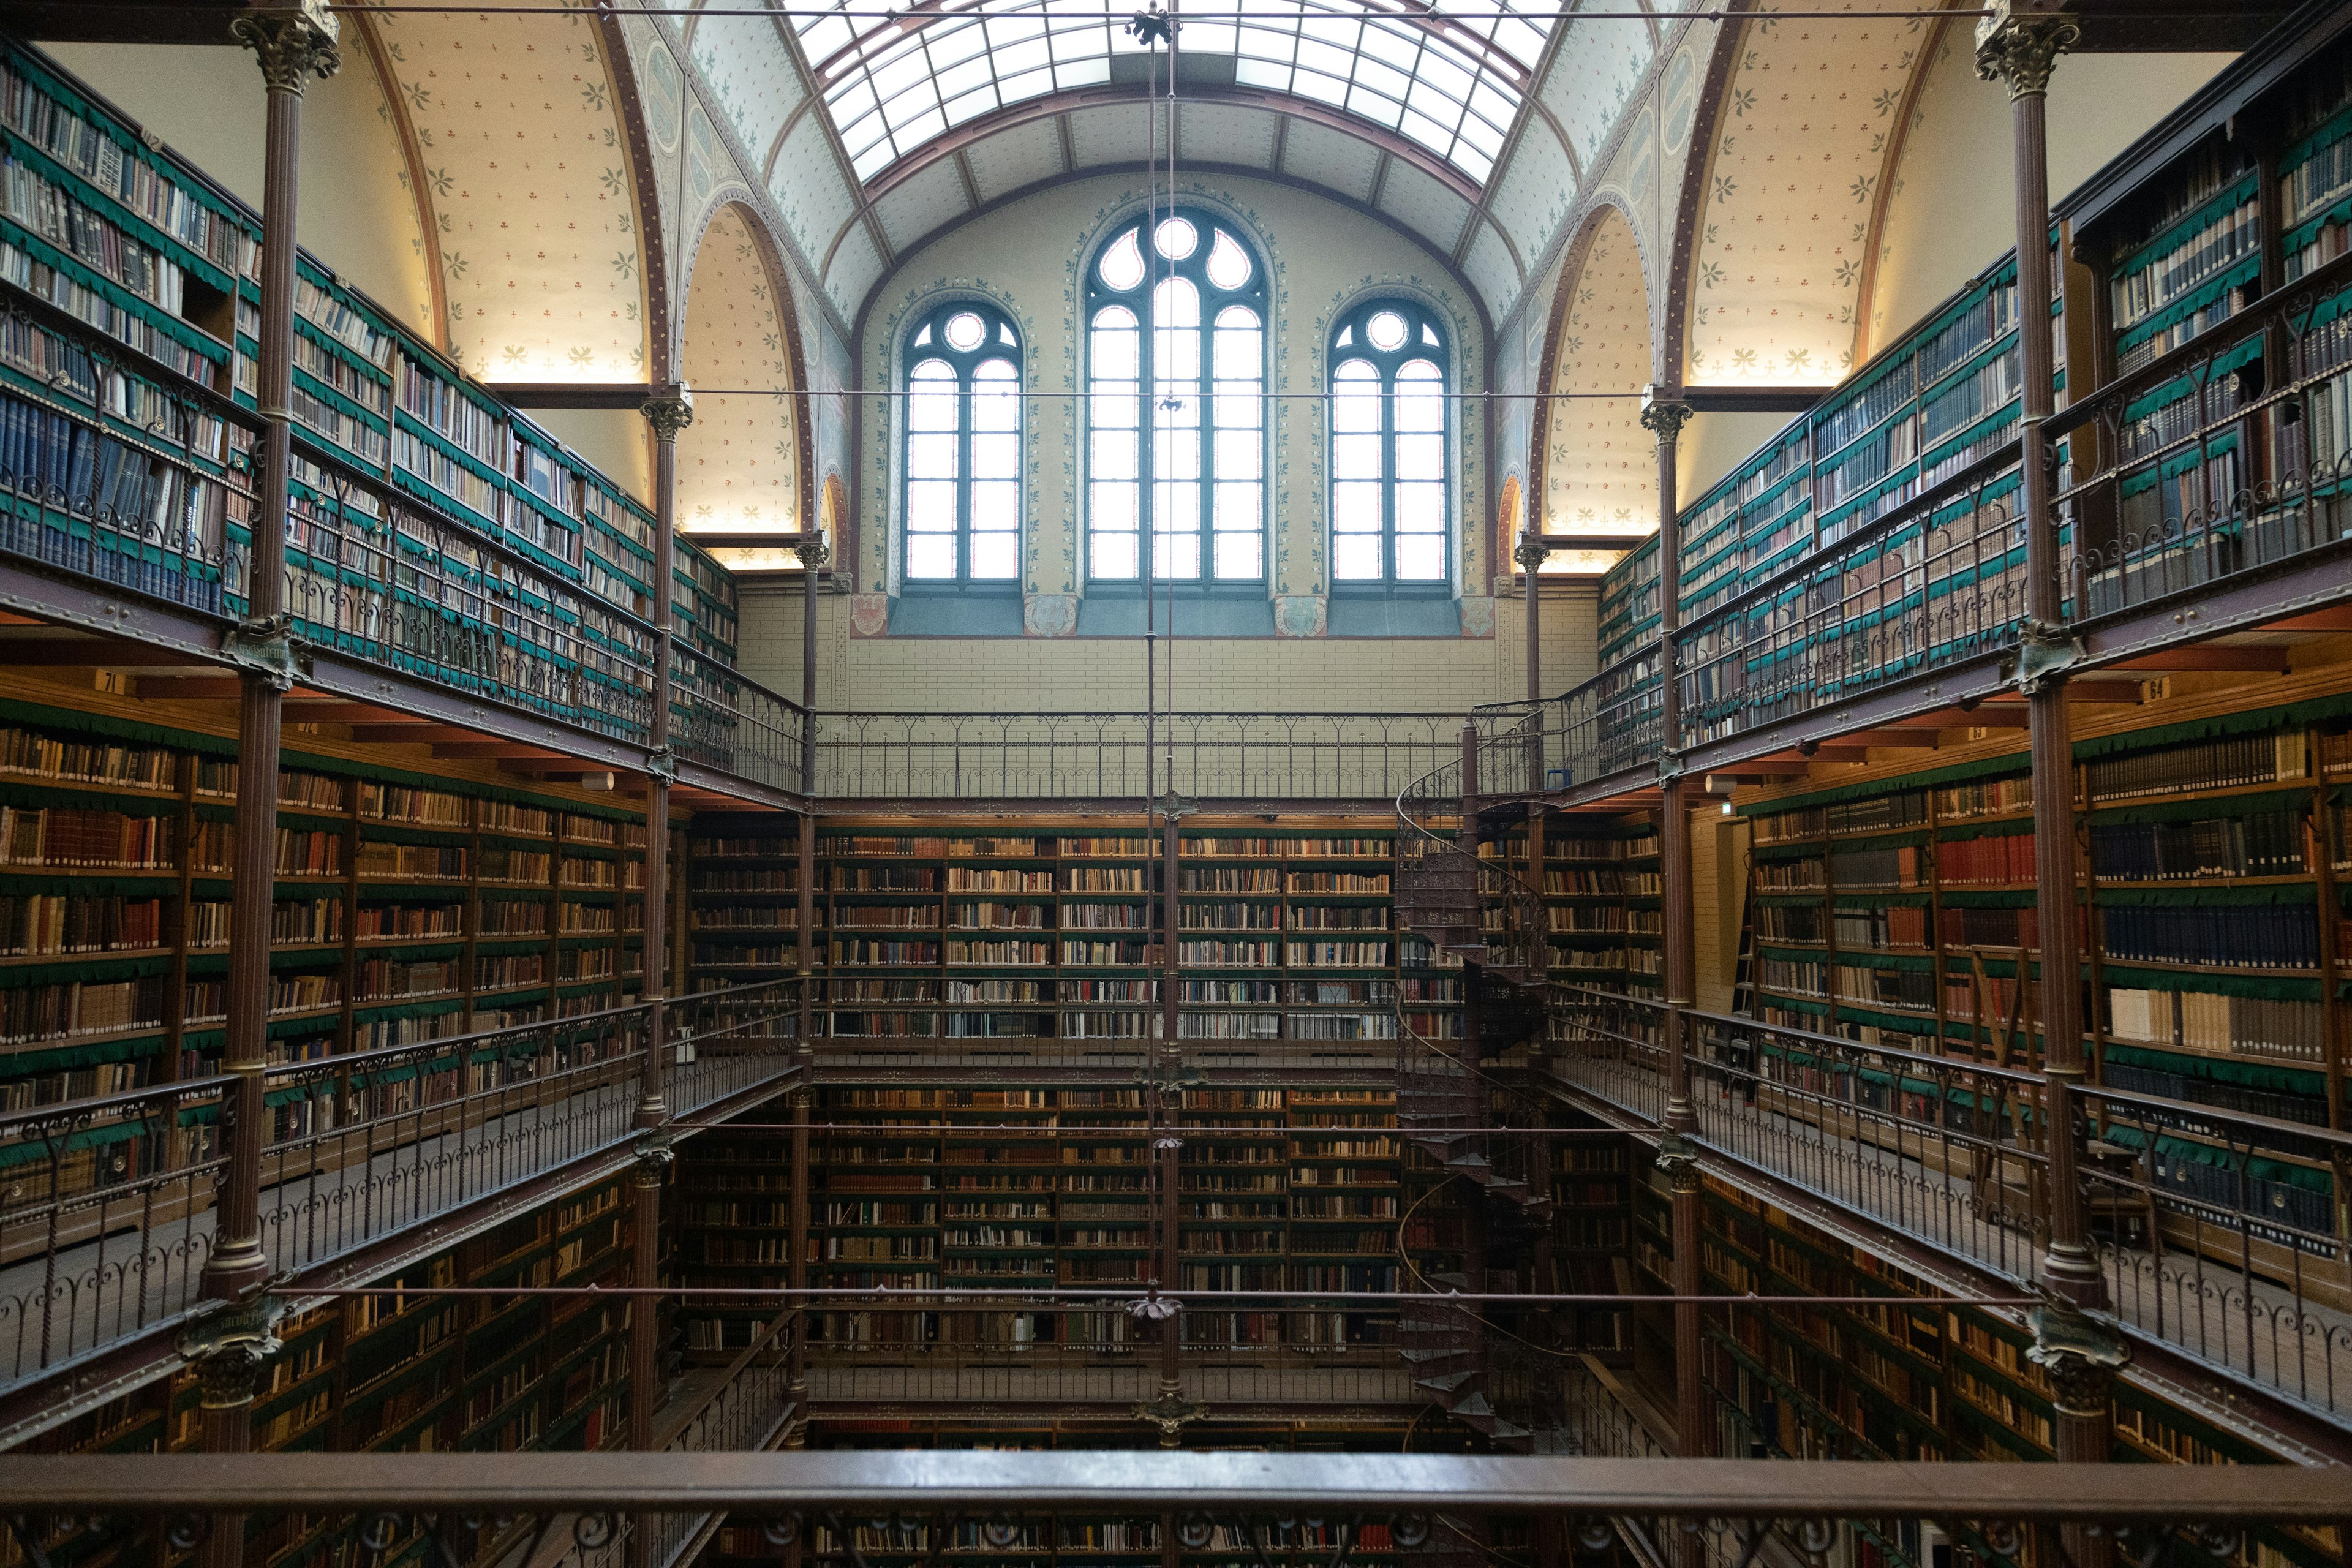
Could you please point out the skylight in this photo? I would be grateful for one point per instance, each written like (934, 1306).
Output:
(1453, 86)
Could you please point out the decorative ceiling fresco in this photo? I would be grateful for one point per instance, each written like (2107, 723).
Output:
(1596, 466)
(1807, 126)
(739, 464)
(520, 145)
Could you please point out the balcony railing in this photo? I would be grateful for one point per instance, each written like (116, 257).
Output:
(131, 476)
(2222, 1233)
(107, 1218)
(2227, 459)
(873, 1507)
(1328, 757)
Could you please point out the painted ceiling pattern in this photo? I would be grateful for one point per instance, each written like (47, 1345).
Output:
(738, 464)
(1600, 472)
(1792, 192)
(519, 136)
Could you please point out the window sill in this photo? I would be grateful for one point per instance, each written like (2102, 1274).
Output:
(957, 610)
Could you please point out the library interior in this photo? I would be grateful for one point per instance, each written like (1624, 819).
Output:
(1724, 901)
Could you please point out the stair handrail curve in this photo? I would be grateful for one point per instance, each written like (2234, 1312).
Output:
(1510, 935)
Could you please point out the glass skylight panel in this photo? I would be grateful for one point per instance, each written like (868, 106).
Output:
(1452, 85)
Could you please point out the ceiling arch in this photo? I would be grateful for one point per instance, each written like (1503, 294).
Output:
(1809, 123)
(742, 465)
(517, 132)
(1592, 467)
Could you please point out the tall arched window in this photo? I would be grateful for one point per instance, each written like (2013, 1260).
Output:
(1389, 424)
(964, 447)
(1176, 327)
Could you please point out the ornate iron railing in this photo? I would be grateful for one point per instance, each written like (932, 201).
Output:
(106, 1216)
(726, 721)
(869, 1507)
(1451, 897)
(1329, 757)
(2222, 1232)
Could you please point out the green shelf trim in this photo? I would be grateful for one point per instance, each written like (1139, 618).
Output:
(1853, 1013)
(496, 895)
(216, 963)
(420, 892)
(1966, 832)
(2152, 250)
(1910, 962)
(28, 794)
(2277, 1171)
(35, 1152)
(2270, 896)
(2004, 767)
(2212, 983)
(288, 815)
(2145, 479)
(2219, 1070)
(387, 833)
(1908, 838)
(2297, 798)
(80, 725)
(2190, 303)
(1770, 852)
(1988, 899)
(2173, 391)
(279, 1029)
(2245, 721)
(426, 953)
(439, 1007)
(161, 884)
(101, 971)
(1842, 902)
(1818, 1009)
(66, 1059)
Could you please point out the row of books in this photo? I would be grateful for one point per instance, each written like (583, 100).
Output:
(2232, 937)
(2268, 843)
(2200, 1021)
(2222, 240)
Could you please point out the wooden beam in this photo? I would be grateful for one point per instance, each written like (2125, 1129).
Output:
(1838, 751)
(88, 653)
(473, 749)
(2082, 688)
(2206, 655)
(1920, 736)
(2337, 619)
(1761, 773)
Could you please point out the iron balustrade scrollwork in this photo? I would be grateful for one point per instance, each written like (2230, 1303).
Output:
(105, 1205)
(724, 719)
(865, 1509)
(2222, 1231)
(2227, 456)
(1103, 755)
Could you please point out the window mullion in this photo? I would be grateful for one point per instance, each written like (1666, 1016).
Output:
(1146, 430)
(1205, 437)
(963, 475)
(1387, 476)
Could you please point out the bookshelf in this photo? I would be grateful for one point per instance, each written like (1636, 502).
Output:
(133, 250)
(409, 906)
(422, 1374)
(939, 936)
(1902, 911)
(1601, 893)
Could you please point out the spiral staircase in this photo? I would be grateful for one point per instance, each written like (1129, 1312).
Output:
(1449, 1105)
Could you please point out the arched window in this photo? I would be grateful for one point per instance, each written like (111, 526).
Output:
(964, 447)
(1176, 327)
(1390, 488)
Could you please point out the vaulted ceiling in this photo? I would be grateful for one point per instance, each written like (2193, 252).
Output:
(875, 130)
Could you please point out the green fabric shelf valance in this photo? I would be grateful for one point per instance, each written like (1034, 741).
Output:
(2234, 358)
(1798, 1004)
(377, 1015)
(30, 796)
(1910, 838)
(1988, 899)
(2271, 895)
(1812, 851)
(2218, 808)
(2219, 1069)
(1910, 962)
(89, 971)
(1900, 1023)
(2246, 721)
(79, 724)
(2003, 767)
(161, 885)
(1964, 832)
(2212, 983)
(35, 1151)
(386, 833)
(70, 1058)
(1845, 902)
(2171, 1148)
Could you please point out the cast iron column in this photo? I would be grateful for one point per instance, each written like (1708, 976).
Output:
(2077, 1352)
(1531, 553)
(292, 45)
(667, 413)
(1664, 417)
(644, 1319)
(803, 1103)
